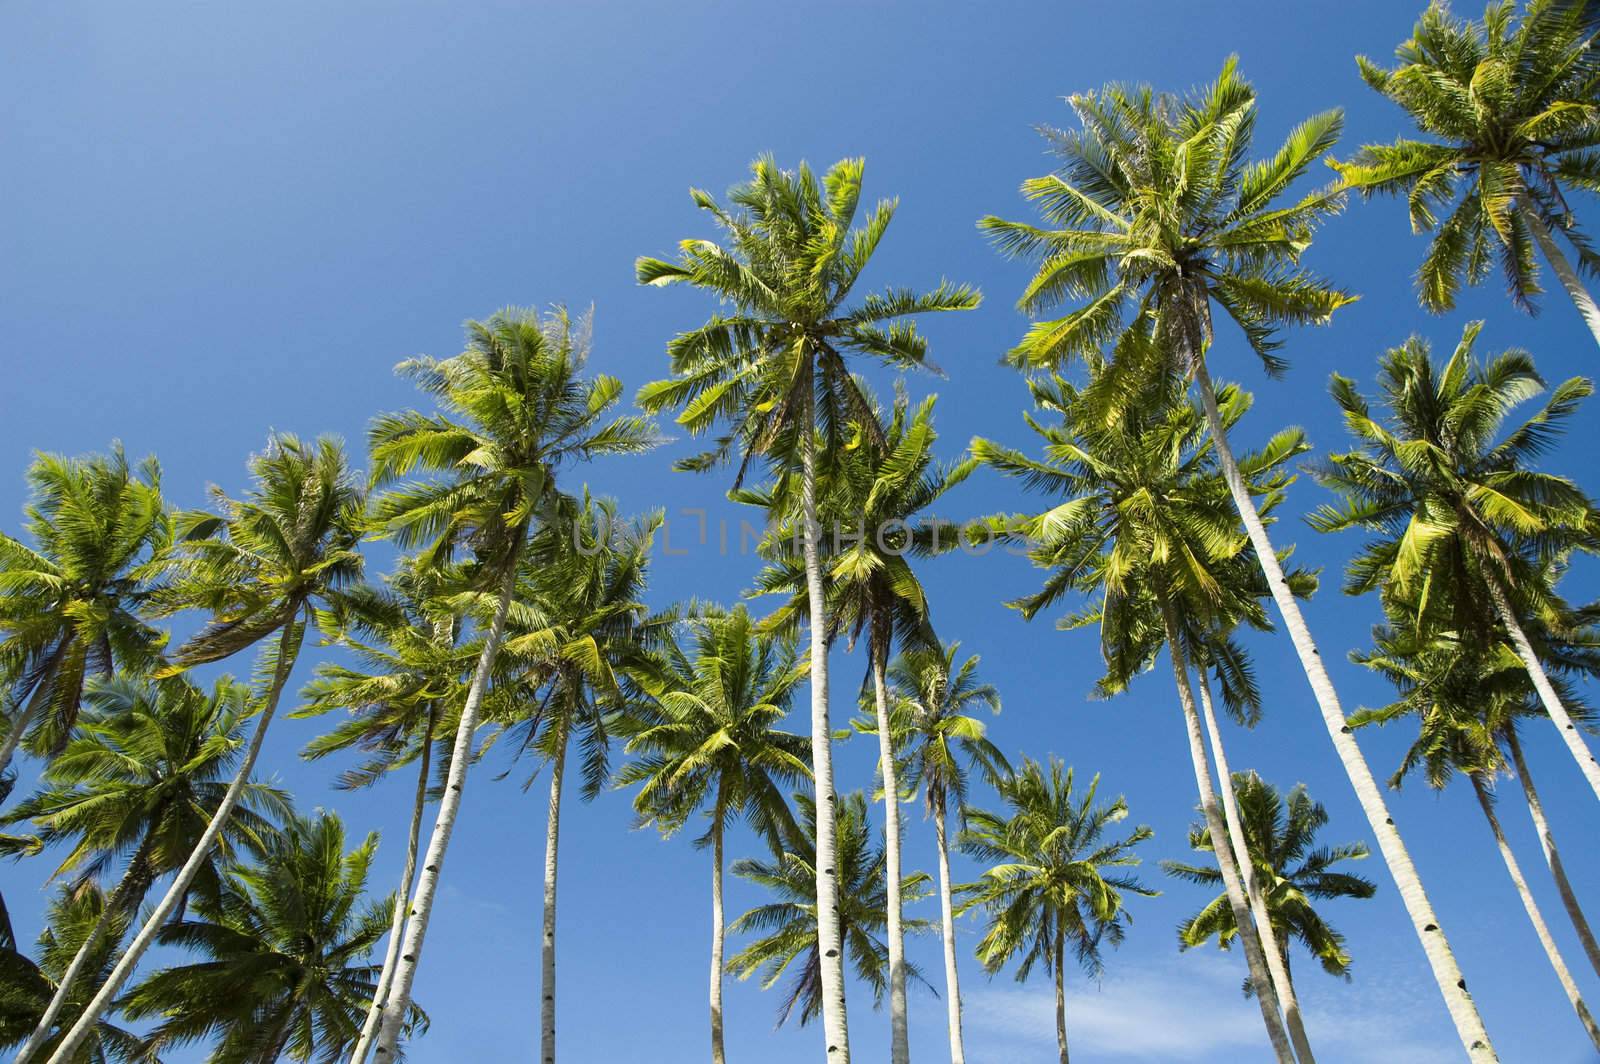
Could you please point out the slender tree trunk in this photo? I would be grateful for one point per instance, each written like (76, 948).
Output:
(397, 927)
(280, 1036)
(718, 932)
(1531, 907)
(1547, 692)
(1558, 262)
(835, 1023)
(1452, 986)
(1274, 952)
(421, 907)
(1552, 856)
(547, 940)
(19, 725)
(69, 1046)
(1061, 992)
(1266, 996)
(899, 1037)
(947, 928)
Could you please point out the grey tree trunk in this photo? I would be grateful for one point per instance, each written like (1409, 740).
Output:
(1531, 907)
(1274, 951)
(899, 1037)
(421, 908)
(1558, 261)
(718, 933)
(1266, 996)
(547, 940)
(1552, 856)
(8, 748)
(1061, 993)
(1447, 975)
(68, 1049)
(947, 929)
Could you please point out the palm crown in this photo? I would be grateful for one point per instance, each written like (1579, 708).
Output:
(936, 737)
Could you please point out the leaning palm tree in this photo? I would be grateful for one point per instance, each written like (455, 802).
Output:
(69, 605)
(517, 408)
(777, 371)
(1508, 106)
(282, 954)
(1462, 522)
(1155, 220)
(707, 737)
(142, 777)
(262, 566)
(1054, 876)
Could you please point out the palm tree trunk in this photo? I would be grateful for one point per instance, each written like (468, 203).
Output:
(8, 749)
(1551, 951)
(1061, 992)
(1274, 952)
(397, 928)
(899, 1037)
(835, 1024)
(67, 1050)
(1452, 986)
(1558, 262)
(547, 940)
(718, 932)
(947, 928)
(1547, 692)
(1266, 996)
(421, 907)
(1552, 856)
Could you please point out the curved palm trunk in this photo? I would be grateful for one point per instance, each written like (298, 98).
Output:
(1266, 996)
(1558, 261)
(718, 933)
(1551, 951)
(13, 737)
(1552, 856)
(835, 1024)
(1061, 992)
(899, 1037)
(397, 928)
(547, 940)
(1452, 986)
(1275, 952)
(947, 928)
(421, 907)
(68, 1049)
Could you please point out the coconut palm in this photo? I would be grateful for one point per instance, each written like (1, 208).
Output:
(282, 948)
(516, 409)
(262, 566)
(1053, 878)
(1156, 219)
(777, 371)
(1282, 840)
(790, 927)
(1508, 106)
(1461, 520)
(142, 776)
(708, 736)
(69, 605)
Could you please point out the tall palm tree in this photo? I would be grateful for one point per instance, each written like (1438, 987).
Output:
(262, 566)
(777, 371)
(936, 740)
(1282, 837)
(69, 605)
(1461, 520)
(1156, 219)
(708, 736)
(516, 409)
(791, 928)
(143, 775)
(1053, 879)
(282, 952)
(1508, 105)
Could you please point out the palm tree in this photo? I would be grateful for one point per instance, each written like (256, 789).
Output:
(516, 410)
(1509, 107)
(261, 565)
(1161, 217)
(282, 954)
(709, 735)
(1281, 838)
(1462, 523)
(791, 928)
(777, 371)
(143, 775)
(936, 740)
(1053, 878)
(69, 605)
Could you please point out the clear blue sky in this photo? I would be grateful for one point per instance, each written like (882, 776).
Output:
(224, 219)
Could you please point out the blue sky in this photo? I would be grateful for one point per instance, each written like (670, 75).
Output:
(224, 219)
